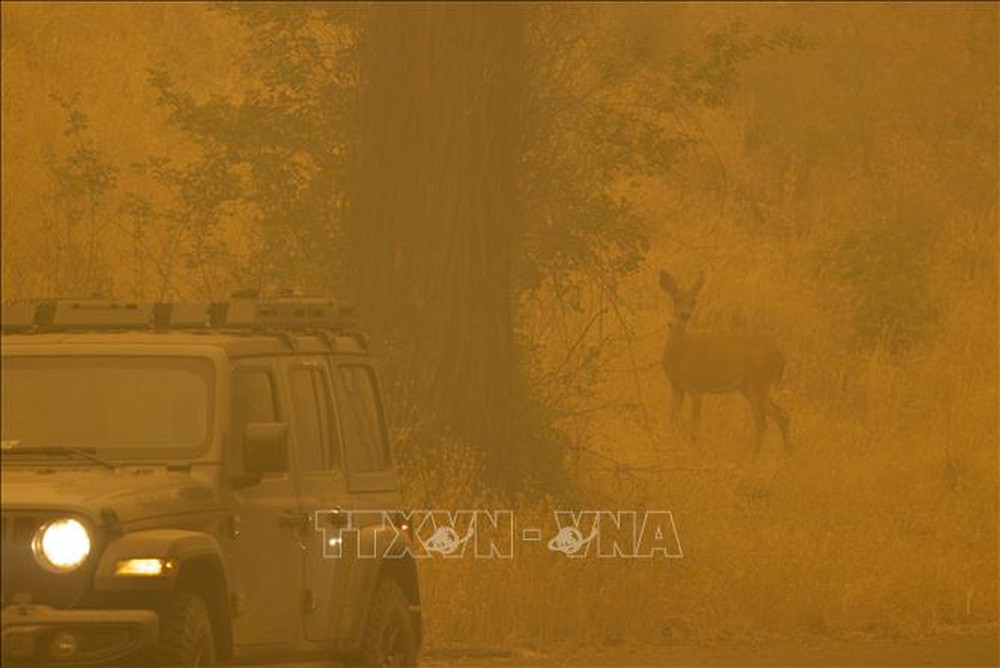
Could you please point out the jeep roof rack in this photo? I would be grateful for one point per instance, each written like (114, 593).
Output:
(282, 313)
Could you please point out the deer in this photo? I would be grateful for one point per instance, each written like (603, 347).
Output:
(699, 364)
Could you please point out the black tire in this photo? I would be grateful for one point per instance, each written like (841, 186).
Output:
(390, 638)
(186, 638)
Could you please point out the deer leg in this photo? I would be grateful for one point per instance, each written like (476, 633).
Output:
(780, 416)
(760, 426)
(676, 401)
(695, 416)
(757, 405)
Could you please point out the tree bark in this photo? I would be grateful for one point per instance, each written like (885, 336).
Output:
(434, 214)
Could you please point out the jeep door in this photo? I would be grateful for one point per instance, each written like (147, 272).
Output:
(266, 558)
(372, 479)
(322, 486)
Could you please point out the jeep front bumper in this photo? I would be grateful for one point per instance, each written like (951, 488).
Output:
(42, 634)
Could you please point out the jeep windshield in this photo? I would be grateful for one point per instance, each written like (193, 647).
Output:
(127, 406)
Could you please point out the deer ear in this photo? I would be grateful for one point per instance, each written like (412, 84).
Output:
(700, 281)
(667, 282)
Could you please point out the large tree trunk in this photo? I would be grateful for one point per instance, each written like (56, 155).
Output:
(435, 214)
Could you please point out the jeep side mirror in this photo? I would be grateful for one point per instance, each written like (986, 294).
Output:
(265, 447)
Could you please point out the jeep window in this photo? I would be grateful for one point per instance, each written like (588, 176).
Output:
(126, 405)
(311, 402)
(253, 401)
(365, 445)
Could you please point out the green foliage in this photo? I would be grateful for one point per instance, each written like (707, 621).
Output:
(282, 147)
(886, 263)
(82, 179)
(197, 196)
(710, 75)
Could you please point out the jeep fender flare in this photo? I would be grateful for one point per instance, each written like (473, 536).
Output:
(363, 578)
(181, 547)
(199, 568)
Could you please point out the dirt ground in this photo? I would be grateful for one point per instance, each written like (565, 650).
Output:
(942, 651)
(950, 651)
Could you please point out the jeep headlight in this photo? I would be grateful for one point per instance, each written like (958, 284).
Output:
(61, 545)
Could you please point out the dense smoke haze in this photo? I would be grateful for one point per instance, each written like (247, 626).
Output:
(497, 189)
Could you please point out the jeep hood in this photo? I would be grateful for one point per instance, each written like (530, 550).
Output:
(134, 493)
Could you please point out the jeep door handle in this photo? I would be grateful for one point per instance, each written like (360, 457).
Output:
(336, 519)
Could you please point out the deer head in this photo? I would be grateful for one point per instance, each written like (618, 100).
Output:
(683, 300)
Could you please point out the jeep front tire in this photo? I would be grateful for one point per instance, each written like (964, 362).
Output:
(390, 638)
(186, 638)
